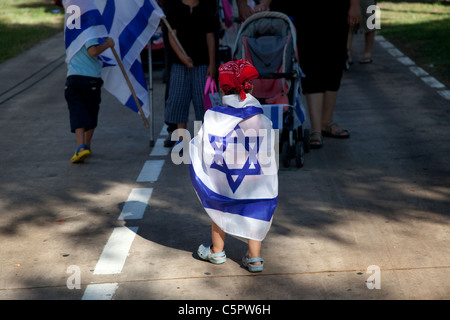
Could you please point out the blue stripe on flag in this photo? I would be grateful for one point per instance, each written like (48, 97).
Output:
(88, 19)
(274, 111)
(299, 111)
(242, 113)
(108, 14)
(134, 29)
(260, 209)
(138, 72)
(132, 104)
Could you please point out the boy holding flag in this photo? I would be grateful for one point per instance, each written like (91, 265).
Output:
(84, 80)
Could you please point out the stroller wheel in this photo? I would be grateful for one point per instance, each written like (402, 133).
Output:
(285, 155)
(299, 154)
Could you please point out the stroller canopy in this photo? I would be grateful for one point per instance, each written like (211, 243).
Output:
(270, 39)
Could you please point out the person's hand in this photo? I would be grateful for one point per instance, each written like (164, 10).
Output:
(95, 51)
(211, 71)
(109, 42)
(244, 10)
(262, 7)
(187, 61)
(354, 16)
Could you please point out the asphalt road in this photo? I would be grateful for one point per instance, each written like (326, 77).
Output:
(379, 199)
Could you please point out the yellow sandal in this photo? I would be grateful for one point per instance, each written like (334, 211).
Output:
(80, 156)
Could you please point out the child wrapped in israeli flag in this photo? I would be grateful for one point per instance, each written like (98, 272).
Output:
(233, 167)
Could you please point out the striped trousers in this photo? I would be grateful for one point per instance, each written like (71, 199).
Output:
(186, 85)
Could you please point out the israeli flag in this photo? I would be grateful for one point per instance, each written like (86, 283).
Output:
(131, 24)
(233, 167)
(83, 22)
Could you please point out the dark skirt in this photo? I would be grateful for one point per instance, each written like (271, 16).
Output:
(322, 31)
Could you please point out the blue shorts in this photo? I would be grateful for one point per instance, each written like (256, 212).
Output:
(83, 96)
(186, 85)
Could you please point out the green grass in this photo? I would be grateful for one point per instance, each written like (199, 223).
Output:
(24, 23)
(421, 30)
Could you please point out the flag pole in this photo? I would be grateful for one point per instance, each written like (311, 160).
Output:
(173, 35)
(150, 93)
(136, 100)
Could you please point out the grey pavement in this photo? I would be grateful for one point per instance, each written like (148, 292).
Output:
(379, 199)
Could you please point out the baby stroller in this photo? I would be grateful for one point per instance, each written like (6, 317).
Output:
(268, 40)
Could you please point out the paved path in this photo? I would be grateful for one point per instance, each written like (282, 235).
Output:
(379, 199)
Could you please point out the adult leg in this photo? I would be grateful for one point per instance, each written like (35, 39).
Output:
(349, 47)
(329, 127)
(198, 88)
(329, 104)
(333, 83)
(314, 102)
(369, 38)
(179, 98)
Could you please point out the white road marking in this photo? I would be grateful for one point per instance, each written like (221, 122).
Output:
(159, 149)
(115, 251)
(101, 291)
(395, 52)
(136, 204)
(151, 170)
(386, 44)
(445, 94)
(432, 82)
(164, 131)
(418, 71)
(406, 61)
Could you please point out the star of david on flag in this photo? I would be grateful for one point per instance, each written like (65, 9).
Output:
(251, 166)
(233, 169)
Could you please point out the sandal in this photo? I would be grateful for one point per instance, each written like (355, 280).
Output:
(339, 133)
(315, 140)
(348, 61)
(80, 156)
(349, 57)
(248, 263)
(366, 60)
(204, 252)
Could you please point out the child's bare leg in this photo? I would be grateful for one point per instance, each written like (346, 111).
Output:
(254, 250)
(218, 238)
(88, 137)
(80, 137)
